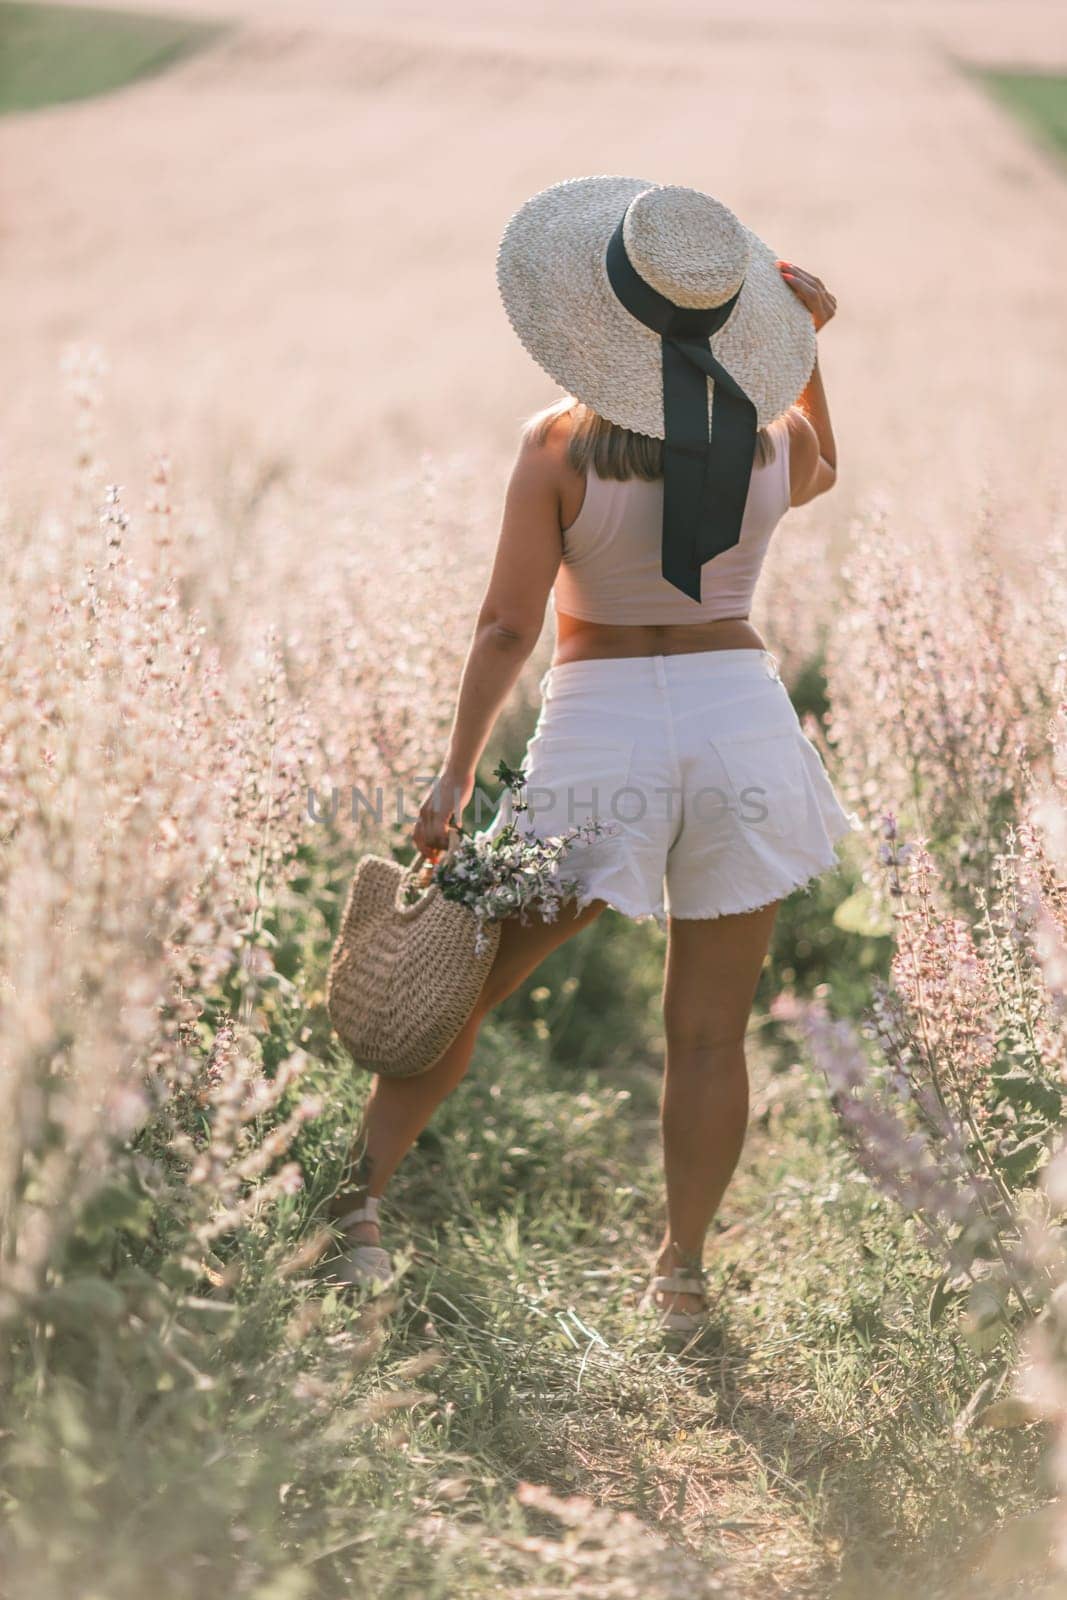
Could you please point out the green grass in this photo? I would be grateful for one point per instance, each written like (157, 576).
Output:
(1038, 99)
(806, 1446)
(805, 1449)
(51, 54)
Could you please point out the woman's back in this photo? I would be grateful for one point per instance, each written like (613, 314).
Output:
(610, 572)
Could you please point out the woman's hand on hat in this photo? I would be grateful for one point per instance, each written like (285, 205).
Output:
(447, 798)
(810, 291)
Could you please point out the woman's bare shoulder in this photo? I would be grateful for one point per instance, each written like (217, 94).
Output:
(544, 448)
(550, 430)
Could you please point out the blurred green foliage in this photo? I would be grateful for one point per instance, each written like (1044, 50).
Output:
(51, 54)
(1038, 99)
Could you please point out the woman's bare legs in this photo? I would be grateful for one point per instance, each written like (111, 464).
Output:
(397, 1109)
(713, 968)
(712, 971)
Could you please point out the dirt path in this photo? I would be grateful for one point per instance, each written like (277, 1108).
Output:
(287, 245)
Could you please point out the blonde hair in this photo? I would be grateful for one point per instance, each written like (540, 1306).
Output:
(614, 452)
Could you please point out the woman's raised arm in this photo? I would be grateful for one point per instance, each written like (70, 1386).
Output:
(813, 452)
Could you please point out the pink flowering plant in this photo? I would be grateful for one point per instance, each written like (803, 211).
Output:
(513, 873)
(950, 1089)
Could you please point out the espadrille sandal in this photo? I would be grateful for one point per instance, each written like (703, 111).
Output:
(671, 1321)
(363, 1265)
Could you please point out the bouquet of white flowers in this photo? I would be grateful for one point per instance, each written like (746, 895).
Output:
(515, 873)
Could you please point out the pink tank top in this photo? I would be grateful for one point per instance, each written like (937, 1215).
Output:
(610, 570)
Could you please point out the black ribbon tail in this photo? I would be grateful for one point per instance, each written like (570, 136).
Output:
(685, 450)
(705, 479)
(705, 482)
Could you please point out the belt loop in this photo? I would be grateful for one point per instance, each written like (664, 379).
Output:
(661, 671)
(772, 665)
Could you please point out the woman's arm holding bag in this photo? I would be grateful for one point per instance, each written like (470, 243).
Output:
(509, 624)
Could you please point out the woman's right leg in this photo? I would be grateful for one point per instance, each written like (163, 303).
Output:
(397, 1109)
(713, 969)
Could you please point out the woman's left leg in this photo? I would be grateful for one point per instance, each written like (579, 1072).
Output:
(397, 1109)
(713, 968)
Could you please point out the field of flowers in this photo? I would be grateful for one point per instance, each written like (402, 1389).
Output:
(187, 1408)
(187, 1404)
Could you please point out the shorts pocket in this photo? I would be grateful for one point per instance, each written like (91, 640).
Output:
(573, 778)
(764, 784)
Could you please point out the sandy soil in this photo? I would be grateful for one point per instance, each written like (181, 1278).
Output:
(286, 246)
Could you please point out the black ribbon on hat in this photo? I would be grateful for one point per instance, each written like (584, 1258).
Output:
(705, 479)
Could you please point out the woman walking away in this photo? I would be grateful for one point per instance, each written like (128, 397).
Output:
(693, 416)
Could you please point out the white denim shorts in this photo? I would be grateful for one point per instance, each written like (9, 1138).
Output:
(716, 800)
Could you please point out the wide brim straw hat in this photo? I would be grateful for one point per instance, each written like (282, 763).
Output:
(691, 249)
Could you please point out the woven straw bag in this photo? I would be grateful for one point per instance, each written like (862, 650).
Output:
(403, 978)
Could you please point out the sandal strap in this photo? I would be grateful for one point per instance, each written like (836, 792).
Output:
(679, 1283)
(367, 1212)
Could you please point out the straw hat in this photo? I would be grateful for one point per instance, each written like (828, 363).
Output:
(691, 249)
